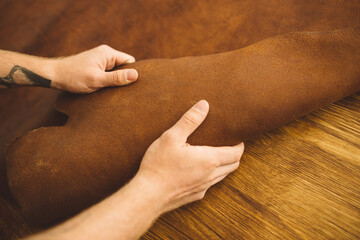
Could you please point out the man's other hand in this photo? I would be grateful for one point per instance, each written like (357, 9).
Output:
(181, 173)
(87, 72)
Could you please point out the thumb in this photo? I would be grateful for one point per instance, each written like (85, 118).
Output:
(120, 77)
(190, 120)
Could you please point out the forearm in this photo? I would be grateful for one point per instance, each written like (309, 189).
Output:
(85, 72)
(22, 69)
(127, 214)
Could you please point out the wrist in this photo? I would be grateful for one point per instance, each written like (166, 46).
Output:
(44, 67)
(152, 191)
(49, 68)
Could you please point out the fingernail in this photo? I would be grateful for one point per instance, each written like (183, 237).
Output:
(201, 106)
(131, 75)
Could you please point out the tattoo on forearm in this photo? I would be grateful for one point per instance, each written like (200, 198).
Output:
(19, 75)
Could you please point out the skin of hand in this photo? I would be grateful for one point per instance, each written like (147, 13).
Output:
(85, 72)
(172, 173)
(186, 172)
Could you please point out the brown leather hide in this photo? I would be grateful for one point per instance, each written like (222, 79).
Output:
(250, 91)
(146, 29)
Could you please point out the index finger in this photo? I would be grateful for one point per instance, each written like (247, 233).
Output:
(120, 57)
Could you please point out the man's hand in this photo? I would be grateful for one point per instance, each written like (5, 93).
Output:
(172, 173)
(181, 172)
(87, 71)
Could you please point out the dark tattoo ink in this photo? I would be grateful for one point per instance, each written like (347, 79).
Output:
(20, 75)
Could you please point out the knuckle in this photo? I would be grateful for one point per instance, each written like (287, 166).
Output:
(115, 77)
(236, 165)
(103, 47)
(211, 163)
(93, 81)
(118, 77)
(237, 155)
(233, 155)
(234, 158)
(89, 90)
(167, 136)
(191, 118)
(201, 195)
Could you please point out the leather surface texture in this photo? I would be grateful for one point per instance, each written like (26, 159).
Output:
(250, 91)
(293, 57)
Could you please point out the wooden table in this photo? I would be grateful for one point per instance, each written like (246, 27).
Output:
(298, 181)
